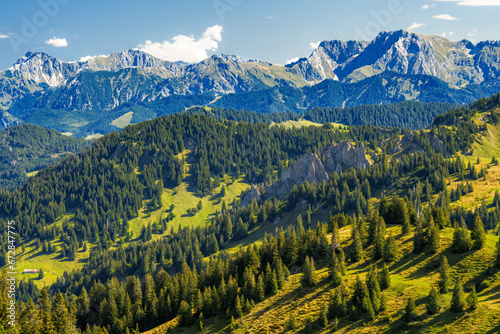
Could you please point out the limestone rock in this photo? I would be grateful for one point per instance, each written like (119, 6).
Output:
(252, 194)
(308, 168)
(343, 156)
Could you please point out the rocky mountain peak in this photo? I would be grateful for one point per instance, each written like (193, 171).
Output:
(40, 68)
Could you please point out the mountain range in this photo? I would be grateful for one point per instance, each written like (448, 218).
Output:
(395, 66)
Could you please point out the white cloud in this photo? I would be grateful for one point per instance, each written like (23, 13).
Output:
(447, 17)
(314, 45)
(415, 25)
(269, 17)
(475, 2)
(427, 6)
(293, 60)
(3, 36)
(185, 48)
(87, 58)
(57, 42)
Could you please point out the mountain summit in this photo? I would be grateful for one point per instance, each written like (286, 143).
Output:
(457, 63)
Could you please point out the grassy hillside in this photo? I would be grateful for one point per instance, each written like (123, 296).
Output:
(411, 275)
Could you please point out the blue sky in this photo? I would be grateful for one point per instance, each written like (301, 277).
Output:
(271, 30)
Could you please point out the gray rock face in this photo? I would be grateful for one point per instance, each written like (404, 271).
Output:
(343, 156)
(311, 169)
(308, 168)
(404, 52)
(254, 193)
(409, 142)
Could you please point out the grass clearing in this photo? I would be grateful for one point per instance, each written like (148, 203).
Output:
(123, 120)
(296, 124)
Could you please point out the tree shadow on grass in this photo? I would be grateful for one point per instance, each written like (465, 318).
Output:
(410, 261)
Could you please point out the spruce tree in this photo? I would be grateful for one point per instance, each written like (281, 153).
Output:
(410, 310)
(461, 239)
(383, 303)
(358, 247)
(478, 235)
(324, 316)
(418, 240)
(444, 275)
(472, 301)
(434, 303)
(368, 308)
(359, 293)
(274, 283)
(238, 312)
(45, 311)
(458, 303)
(385, 278)
(337, 307)
(390, 249)
(260, 289)
(309, 275)
(292, 321)
(433, 239)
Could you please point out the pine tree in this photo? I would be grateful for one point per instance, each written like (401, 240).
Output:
(472, 301)
(260, 289)
(309, 275)
(238, 312)
(433, 239)
(186, 313)
(379, 241)
(410, 310)
(461, 239)
(359, 293)
(418, 240)
(444, 275)
(45, 310)
(324, 316)
(83, 303)
(292, 321)
(334, 270)
(390, 249)
(434, 303)
(368, 308)
(383, 303)
(358, 247)
(274, 283)
(458, 303)
(385, 278)
(478, 235)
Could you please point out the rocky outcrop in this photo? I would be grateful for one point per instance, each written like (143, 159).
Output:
(409, 142)
(343, 156)
(252, 194)
(308, 168)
